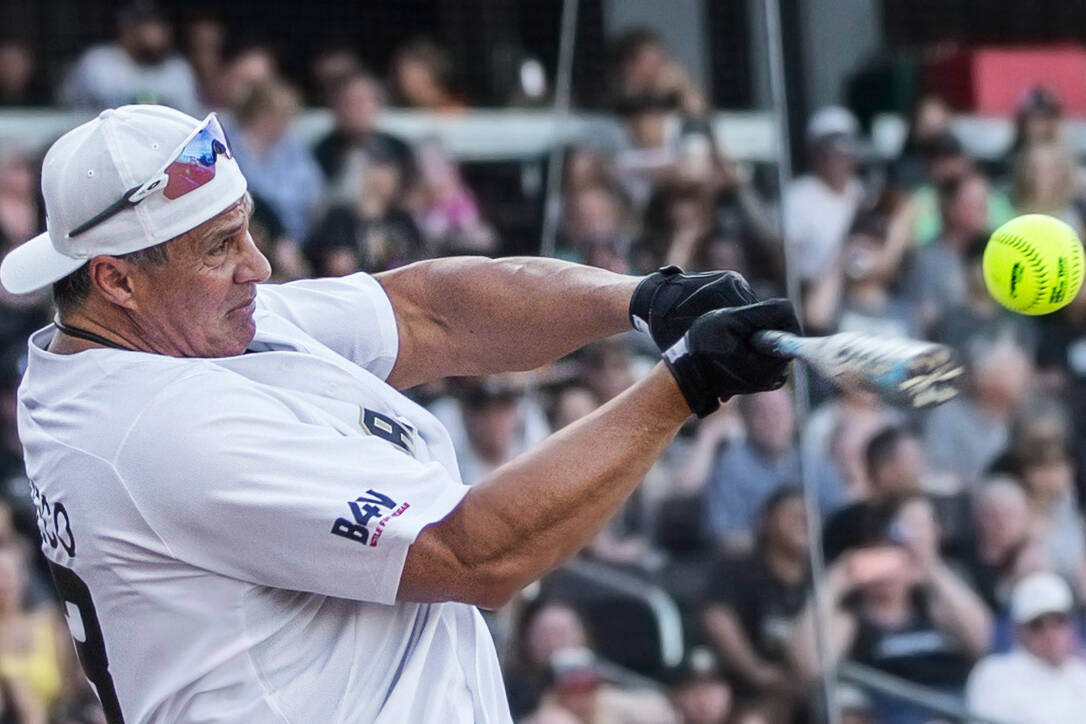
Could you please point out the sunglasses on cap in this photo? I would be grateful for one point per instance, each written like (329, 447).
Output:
(191, 166)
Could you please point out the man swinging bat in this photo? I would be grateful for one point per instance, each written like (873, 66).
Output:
(245, 518)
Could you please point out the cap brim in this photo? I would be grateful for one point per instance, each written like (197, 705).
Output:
(35, 264)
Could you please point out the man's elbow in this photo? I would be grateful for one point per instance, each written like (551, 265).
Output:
(493, 584)
(438, 574)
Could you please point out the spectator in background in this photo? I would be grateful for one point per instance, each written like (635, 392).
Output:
(1061, 368)
(421, 78)
(929, 119)
(138, 67)
(329, 68)
(895, 463)
(21, 217)
(751, 603)
(12, 471)
(249, 66)
(897, 607)
(20, 84)
(819, 206)
(373, 232)
(743, 220)
(947, 162)
(843, 425)
(607, 367)
(651, 144)
(491, 420)
(856, 293)
(1039, 120)
(938, 278)
(544, 628)
(594, 218)
(646, 68)
(1043, 681)
(585, 166)
(697, 690)
(1047, 476)
(579, 687)
(681, 228)
(705, 214)
(35, 653)
(279, 168)
(978, 316)
(1004, 540)
(357, 102)
(205, 43)
(1044, 182)
(445, 208)
(749, 471)
(964, 436)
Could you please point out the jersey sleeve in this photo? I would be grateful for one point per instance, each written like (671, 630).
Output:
(232, 481)
(352, 315)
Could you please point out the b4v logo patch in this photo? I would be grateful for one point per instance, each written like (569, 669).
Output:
(364, 509)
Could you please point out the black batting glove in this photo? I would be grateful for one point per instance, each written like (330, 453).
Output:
(667, 302)
(715, 359)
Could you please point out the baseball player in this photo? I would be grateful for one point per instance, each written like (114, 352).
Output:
(245, 519)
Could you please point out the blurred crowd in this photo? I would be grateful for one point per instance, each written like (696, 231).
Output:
(954, 539)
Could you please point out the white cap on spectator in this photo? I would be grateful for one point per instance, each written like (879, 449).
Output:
(831, 121)
(92, 167)
(1038, 594)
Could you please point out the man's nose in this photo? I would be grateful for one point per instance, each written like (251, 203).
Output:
(252, 266)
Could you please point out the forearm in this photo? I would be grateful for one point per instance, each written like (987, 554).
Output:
(804, 641)
(536, 511)
(472, 315)
(724, 631)
(840, 624)
(960, 610)
(823, 299)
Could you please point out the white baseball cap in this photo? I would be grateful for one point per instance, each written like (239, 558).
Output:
(96, 166)
(832, 120)
(1040, 593)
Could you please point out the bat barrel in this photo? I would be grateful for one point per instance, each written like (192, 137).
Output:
(903, 371)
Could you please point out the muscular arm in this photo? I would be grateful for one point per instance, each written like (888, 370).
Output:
(474, 316)
(537, 510)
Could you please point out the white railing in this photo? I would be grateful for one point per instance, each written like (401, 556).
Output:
(508, 135)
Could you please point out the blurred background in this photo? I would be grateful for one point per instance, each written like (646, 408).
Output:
(855, 153)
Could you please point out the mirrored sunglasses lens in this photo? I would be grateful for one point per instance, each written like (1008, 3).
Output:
(186, 177)
(195, 165)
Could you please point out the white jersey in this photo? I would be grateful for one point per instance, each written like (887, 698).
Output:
(228, 534)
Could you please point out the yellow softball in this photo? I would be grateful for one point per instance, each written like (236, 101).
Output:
(1033, 264)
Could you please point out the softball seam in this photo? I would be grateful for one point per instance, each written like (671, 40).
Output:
(1029, 251)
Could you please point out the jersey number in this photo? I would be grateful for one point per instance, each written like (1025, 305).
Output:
(89, 644)
(386, 428)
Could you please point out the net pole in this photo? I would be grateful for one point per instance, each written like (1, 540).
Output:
(563, 82)
(779, 99)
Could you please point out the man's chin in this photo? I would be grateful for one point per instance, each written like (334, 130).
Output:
(235, 340)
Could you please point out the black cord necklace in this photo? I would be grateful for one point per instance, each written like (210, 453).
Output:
(85, 334)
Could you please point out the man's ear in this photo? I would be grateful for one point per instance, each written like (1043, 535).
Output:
(112, 278)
